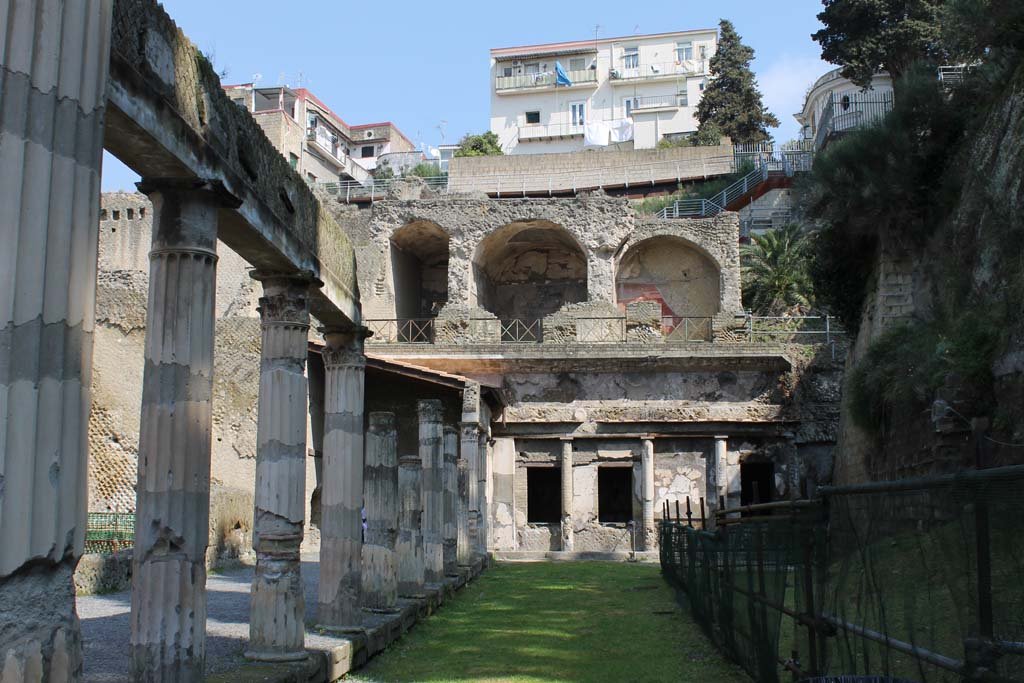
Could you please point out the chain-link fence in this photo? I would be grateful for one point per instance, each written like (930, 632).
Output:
(108, 532)
(914, 580)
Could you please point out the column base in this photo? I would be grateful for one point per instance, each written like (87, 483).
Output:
(342, 630)
(258, 656)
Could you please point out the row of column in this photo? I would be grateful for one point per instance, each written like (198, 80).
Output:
(409, 541)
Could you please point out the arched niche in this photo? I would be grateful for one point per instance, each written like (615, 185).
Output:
(419, 269)
(672, 271)
(528, 269)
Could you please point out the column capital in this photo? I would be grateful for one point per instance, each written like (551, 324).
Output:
(344, 347)
(285, 299)
(721, 437)
(430, 410)
(210, 187)
(381, 421)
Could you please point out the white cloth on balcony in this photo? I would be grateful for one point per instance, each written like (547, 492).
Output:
(621, 130)
(595, 134)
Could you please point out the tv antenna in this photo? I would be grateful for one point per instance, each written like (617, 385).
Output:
(440, 127)
(256, 78)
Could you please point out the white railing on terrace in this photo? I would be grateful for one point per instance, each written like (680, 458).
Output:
(705, 208)
(375, 188)
(655, 102)
(544, 79)
(539, 131)
(686, 67)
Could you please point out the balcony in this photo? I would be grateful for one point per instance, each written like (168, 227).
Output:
(540, 81)
(328, 142)
(659, 70)
(655, 102)
(550, 131)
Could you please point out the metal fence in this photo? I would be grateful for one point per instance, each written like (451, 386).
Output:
(108, 532)
(916, 580)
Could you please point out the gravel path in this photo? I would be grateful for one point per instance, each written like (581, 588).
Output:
(105, 623)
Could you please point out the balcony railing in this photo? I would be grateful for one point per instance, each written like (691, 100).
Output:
(851, 111)
(655, 102)
(677, 329)
(401, 330)
(686, 67)
(544, 79)
(549, 130)
(329, 142)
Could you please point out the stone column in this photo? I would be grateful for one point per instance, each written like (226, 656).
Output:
(168, 615)
(380, 492)
(484, 493)
(567, 524)
(315, 375)
(277, 611)
(714, 468)
(431, 413)
(450, 480)
(53, 71)
(650, 534)
(341, 496)
(464, 549)
(409, 547)
(470, 450)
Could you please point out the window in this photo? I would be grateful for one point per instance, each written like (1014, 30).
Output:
(683, 99)
(703, 51)
(366, 151)
(701, 86)
(629, 104)
(577, 64)
(117, 215)
(578, 113)
(532, 117)
(506, 71)
(131, 214)
(310, 177)
(293, 161)
(531, 68)
(631, 58)
(543, 495)
(684, 51)
(615, 495)
(142, 213)
(846, 102)
(103, 214)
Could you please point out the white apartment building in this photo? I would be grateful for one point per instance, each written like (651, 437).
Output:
(642, 88)
(315, 140)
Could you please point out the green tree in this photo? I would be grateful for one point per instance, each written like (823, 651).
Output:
(775, 270)
(383, 171)
(731, 101)
(484, 145)
(866, 36)
(425, 169)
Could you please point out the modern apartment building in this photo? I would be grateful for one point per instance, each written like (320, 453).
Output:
(316, 141)
(623, 93)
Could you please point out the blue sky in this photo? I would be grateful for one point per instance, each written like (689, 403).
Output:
(420, 63)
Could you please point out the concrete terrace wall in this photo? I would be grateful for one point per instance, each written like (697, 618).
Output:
(587, 169)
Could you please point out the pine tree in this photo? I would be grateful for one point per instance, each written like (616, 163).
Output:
(731, 100)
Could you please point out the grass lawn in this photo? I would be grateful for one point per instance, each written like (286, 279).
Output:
(586, 621)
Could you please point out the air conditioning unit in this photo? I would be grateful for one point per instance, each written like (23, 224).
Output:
(614, 73)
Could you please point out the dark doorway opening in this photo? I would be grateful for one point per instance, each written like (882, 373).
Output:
(757, 482)
(543, 495)
(615, 495)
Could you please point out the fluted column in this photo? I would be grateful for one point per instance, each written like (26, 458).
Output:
(277, 610)
(470, 450)
(567, 523)
(647, 491)
(53, 74)
(410, 533)
(168, 615)
(341, 497)
(714, 468)
(450, 481)
(430, 413)
(484, 473)
(380, 563)
(463, 547)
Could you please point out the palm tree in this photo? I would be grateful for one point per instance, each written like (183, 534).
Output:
(775, 270)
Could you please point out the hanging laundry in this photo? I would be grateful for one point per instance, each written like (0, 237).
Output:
(621, 130)
(595, 134)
